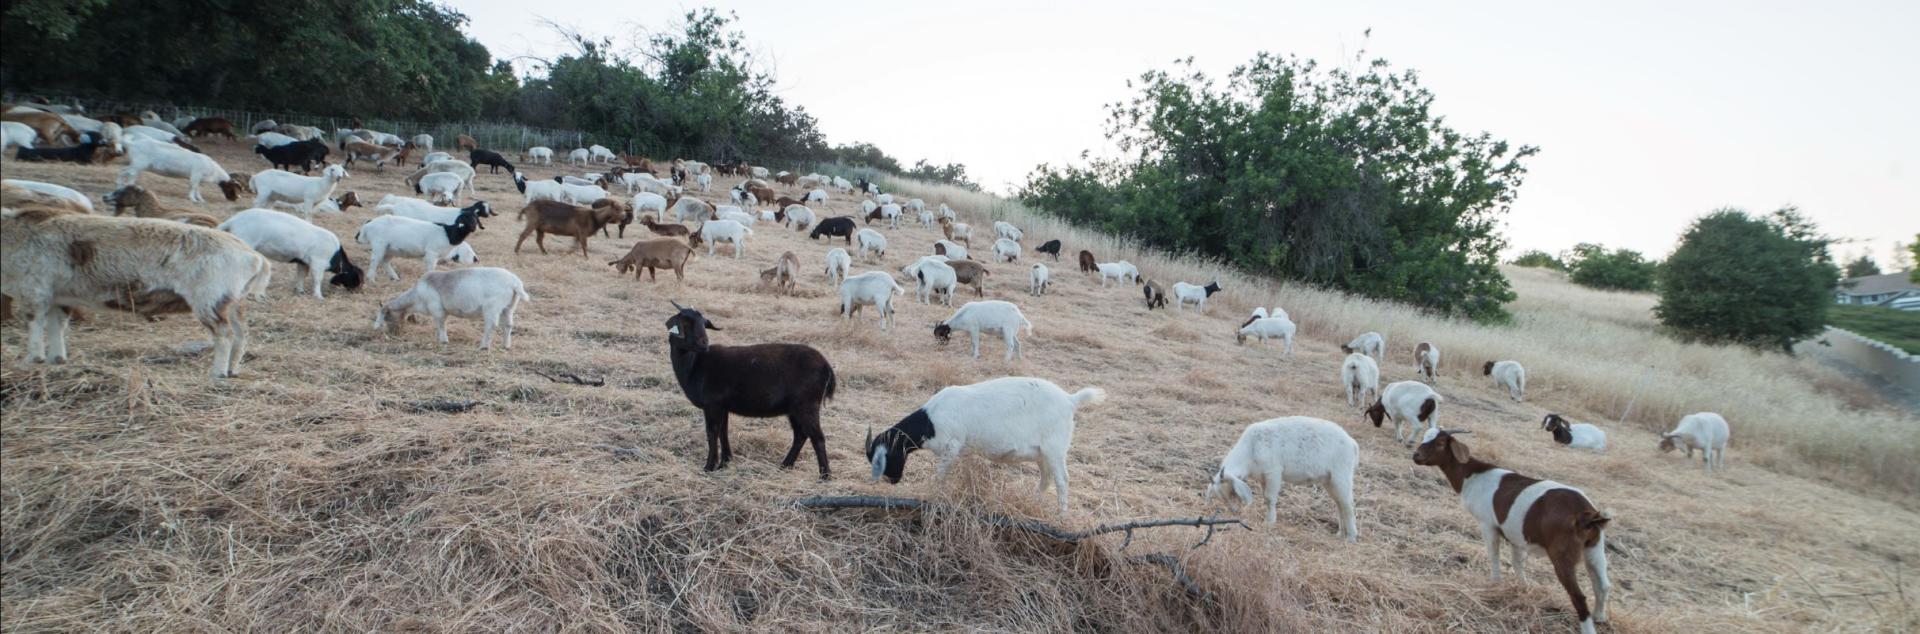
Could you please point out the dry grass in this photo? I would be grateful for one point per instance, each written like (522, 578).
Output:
(136, 495)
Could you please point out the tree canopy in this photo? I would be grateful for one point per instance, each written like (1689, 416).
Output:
(1343, 178)
(1765, 282)
(1592, 265)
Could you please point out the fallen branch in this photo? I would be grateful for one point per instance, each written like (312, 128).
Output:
(445, 407)
(573, 378)
(1172, 565)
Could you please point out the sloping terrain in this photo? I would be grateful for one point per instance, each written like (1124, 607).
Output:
(312, 493)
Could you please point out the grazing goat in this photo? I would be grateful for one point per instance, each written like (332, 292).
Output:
(1370, 343)
(759, 381)
(1510, 375)
(835, 227)
(1426, 359)
(838, 264)
(1705, 431)
(1037, 282)
(489, 294)
(379, 154)
(165, 159)
(83, 153)
(933, 275)
(550, 216)
(209, 126)
(987, 316)
(53, 260)
(284, 238)
(301, 154)
(653, 254)
(1361, 376)
(1010, 419)
(388, 236)
(1529, 514)
(872, 244)
(1050, 247)
(1156, 296)
(972, 274)
(1123, 271)
(1290, 450)
(670, 230)
(1005, 250)
(493, 160)
(872, 288)
(1087, 265)
(714, 232)
(1270, 327)
(785, 274)
(1409, 404)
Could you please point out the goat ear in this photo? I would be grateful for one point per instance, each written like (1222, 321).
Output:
(710, 325)
(1459, 449)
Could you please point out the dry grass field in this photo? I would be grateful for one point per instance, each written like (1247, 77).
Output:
(311, 495)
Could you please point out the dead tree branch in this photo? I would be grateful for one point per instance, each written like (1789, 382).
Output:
(572, 378)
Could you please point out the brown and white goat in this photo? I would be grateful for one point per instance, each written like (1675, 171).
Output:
(50, 127)
(1530, 515)
(379, 154)
(1426, 358)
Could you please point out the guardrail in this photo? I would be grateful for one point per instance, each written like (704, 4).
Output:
(1893, 364)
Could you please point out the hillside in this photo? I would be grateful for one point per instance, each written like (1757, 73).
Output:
(310, 495)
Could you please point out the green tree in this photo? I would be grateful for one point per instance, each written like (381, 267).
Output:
(1913, 250)
(1335, 177)
(1862, 266)
(1536, 258)
(1592, 265)
(1762, 282)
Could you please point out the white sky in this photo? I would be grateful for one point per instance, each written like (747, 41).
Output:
(1648, 113)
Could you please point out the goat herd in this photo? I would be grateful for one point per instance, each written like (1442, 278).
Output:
(60, 257)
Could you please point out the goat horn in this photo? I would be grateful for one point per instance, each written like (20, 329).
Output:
(676, 305)
(869, 442)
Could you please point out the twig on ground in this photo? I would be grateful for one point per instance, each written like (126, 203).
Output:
(573, 378)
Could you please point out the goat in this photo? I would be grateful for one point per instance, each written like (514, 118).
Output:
(1050, 247)
(1087, 265)
(759, 381)
(1290, 450)
(714, 232)
(1185, 293)
(144, 155)
(835, 227)
(872, 288)
(1409, 404)
(838, 263)
(1372, 344)
(1542, 516)
(488, 293)
(493, 160)
(1361, 376)
(971, 273)
(1426, 359)
(1510, 375)
(379, 154)
(210, 126)
(1705, 431)
(1037, 285)
(872, 243)
(933, 275)
(399, 235)
(987, 316)
(657, 253)
(65, 194)
(83, 153)
(1156, 296)
(784, 274)
(284, 238)
(1007, 419)
(1575, 435)
(561, 219)
(1270, 327)
(1123, 270)
(302, 191)
(302, 154)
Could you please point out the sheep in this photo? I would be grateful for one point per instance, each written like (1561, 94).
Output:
(1575, 435)
(1185, 293)
(1426, 360)
(760, 381)
(714, 232)
(1005, 250)
(1156, 297)
(838, 264)
(53, 260)
(379, 154)
(798, 216)
(872, 288)
(1263, 329)
(933, 275)
(1361, 376)
(1371, 343)
(302, 191)
(57, 191)
(442, 187)
(304, 154)
(1087, 265)
(1122, 270)
(83, 153)
(15, 134)
(872, 244)
(1510, 375)
(165, 159)
(284, 238)
(1408, 403)
(561, 219)
(987, 316)
(785, 273)
(1006, 231)
(1290, 450)
(1705, 431)
(653, 254)
(393, 235)
(422, 210)
(1038, 281)
(1004, 420)
(487, 293)
(493, 160)
(1529, 515)
(210, 126)
(952, 250)
(835, 227)
(540, 154)
(972, 274)
(1050, 247)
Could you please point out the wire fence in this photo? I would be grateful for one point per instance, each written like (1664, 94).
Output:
(503, 137)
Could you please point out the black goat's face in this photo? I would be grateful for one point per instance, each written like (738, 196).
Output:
(688, 328)
(942, 332)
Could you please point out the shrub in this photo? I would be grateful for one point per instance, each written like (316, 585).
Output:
(1761, 282)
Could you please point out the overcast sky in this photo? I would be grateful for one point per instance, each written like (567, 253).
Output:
(1648, 114)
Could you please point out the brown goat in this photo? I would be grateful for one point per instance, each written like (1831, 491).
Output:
(242, 180)
(785, 274)
(141, 203)
(641, 163)
(379, 154)
(656, 253)
(465, 142)
(210, 126)
(1087, 265)
(49, 126)
(763, 194)
(788, 178)
(196, 219)
(972, 274)
(671, 229)
(558, 218)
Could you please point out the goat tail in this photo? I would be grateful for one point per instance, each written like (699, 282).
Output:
(1029, 326)
(521, 294)
(262, 278)
(1088, 396)
(831, 383)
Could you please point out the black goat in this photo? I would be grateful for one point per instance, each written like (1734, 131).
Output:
(837, 226)
(759, 381)
(82, 153)
(304, 154)
(493, 160)
(1052, 247)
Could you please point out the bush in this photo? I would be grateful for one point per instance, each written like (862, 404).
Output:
(1540, 260)
(1761, 282)
(1591, 265)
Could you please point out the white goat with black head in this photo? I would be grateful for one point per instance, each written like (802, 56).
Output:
(1011, 419)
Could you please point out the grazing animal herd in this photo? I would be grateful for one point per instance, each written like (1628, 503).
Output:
(61, 257)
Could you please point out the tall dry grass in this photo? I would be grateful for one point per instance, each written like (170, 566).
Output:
(1594, 350)
(310, 494)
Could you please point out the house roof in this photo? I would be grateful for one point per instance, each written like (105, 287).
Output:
(1877, 284)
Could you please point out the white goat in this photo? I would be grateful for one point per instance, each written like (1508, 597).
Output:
(838, 263)
(1575, 435)
(798, 216)
(872, 288)
(1005, 250)
(952, 250)
(1409, 404)
(1123, 270)
(1268, 327)
(388, 236)
(1290, 450)
(717, 231)
(1361, 376)
(302, 191)
(1705, 431)
(167, 159)
(15, 134)
(442, 187)
(933, 275)
(1005, 230)
(1369, 343)
(1038, 280)
(540, 154)
(871, 244)
(50, 189)
(1184, 293)
(1510, 375)
(1009, 419)
(579, 155)
(987, 316)
(283, 238)
(486, 293)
